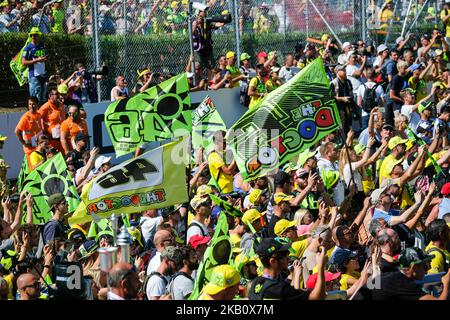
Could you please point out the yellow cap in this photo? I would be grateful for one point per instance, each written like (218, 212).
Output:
(251, 216)
(136, 235)
(235, 240)
(222, 277)
(325, 37)
(242, 259)
(2, 137)
(254, 195)
(395, 141)
(204, 190)
(230, 54)
(280, 196)
(282, 225)
(63, 88)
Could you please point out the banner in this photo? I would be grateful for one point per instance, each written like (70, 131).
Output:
(156, 179)
(226, 207)
(206, 120)
(19, 70)
(290, 119)
(159, 113)
(24, 171)
(49, 178)
(217, 253)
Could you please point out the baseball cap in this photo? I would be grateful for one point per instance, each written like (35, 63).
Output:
(274, 69)
(81, 136)
(271, 54)
(345, 44)
(388, 127)
(329, 177)
(339, 68)
(381, 48)
(411, 256)
(376, 194)
(198, 200)
(359, 148)
(222, 277)
(268, 246)
(101, 160)
(282, 225)
(445, 190)
(63, 88)
(325, 37)
(88, 248)
(281, 196)
(395, 141)
(3, 138)
(230, 54)
(305, 155)
(242, 259)
(55, 199)
(410, 90)
(76, 233)
(312, 279)
(142, 73)
(204, 190)
(414, 67)
(251, 216)
(35, 30)
(255, 195)
(262, 54)
(245, 56)
(135, 234)
(340, 257)
(197, 240)
(425, 106)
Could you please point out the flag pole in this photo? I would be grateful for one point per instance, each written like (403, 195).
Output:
(188, 185)
(348, 158)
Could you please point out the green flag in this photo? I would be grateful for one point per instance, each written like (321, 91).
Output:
(226, 207)
(217, 253)
(289, 120)
(19, 70)
(413, 137)
(100, 227)
(206, 120)
(159, 113)
(24, 171)
(49, 178)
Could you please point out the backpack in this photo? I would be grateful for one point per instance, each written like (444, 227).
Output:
(143, 292)
(259, 287)
(195, 224)
(170, 285)
(446, 262)
(370, 98)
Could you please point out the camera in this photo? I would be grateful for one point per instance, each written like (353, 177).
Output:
(226, 18)
(14, 198)
(233, 195)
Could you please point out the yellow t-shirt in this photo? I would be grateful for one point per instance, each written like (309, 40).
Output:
(260, 88)
(234, 71)
(386, 167)
(35, 158)
(224, 180)
(446, 23)
(345, 277)
(384, 17)
(438, 262)
(205, 296)
(299, 247)
(9, 281)
(271, 85)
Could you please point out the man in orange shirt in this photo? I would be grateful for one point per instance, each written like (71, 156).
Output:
(53, 115)
(29, 127)
(70, 127)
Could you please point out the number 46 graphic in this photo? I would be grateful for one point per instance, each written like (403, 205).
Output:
(135, 169)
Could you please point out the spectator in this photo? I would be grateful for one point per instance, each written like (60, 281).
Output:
(29, 127)
(145, 77)
(398, 83)
(224, 284)
(75, 156)
(438, 234)
(71, 127)
(199, 225)
(148, 223)
(162, 239)
(9, 22)
(120, 91)
(124, 282)
(182, 282)
(342, 91)
(343, 57)
(257, 89)
(37, 156)
(220, 171)
(57, 17)
(34, 57)
(28, 287)
(199, 244)
(56, 228)
(286, 73)
(274, 81)
(52, 114)
(233, 70)
(369, 95)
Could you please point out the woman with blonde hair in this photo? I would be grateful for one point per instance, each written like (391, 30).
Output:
(304, 221)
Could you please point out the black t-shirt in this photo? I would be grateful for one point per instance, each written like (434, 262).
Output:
(271, 226)
(396, 286)
(386, 266)
(398, 83)
(54, 229)
(405, 235)
(278, 290)
(77, 159)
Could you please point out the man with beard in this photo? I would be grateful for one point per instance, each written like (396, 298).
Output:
(182, 282)
(156, 282)
(124, 282)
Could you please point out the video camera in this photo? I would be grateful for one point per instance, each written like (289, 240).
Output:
(226, 18)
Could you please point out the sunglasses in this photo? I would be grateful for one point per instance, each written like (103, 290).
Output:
(36, 285)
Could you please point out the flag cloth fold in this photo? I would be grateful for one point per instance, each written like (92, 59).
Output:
(159, 113)
(226, 207)
(49, 178)
(206, 120)
(20, 71)
(292, 118)
(156, 179)
(217, 253)
(24, 171)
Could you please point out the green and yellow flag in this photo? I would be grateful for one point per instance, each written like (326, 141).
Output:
(291, 118)
(156, 179)
(49, 178)
(206, 120)
(159, 113)
(19, 70)
(217, 253)
(226, 207)
(24, 171)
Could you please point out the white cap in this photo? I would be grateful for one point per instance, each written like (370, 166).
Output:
(101, 160)
(189, 74)
(199, 6)
(104, 8)
(381, 48)
(345, 44)
(399, 39)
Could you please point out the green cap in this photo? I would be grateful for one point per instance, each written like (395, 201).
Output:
(410, 90)
(305, 155)
(35, 30)
(55, 199)
(411, 256)
(245, 56)
(330, 177)
(424, 106)
(359, 148)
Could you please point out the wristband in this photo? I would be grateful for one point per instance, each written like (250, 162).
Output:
(47, 266)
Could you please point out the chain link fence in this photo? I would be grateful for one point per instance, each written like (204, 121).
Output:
(128, 35)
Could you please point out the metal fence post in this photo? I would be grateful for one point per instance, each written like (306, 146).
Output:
(191, 43)
(96, 43)
(125, 64)
(237, 33)
(364, 20)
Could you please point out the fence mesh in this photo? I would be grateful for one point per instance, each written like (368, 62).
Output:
(133, 34)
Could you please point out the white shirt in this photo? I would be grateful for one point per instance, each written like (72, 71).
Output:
(113, 296)
(154, 263)
(356, 177)
(196, 230)
(413, 116)
(155, 287)
(148, 226)
(362, 90)
(120, 92)
(356, 82)
(286, 75)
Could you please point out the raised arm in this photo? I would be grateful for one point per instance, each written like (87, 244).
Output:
(405, 215)
(411, 223)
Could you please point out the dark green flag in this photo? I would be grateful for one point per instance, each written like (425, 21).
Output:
(289, 120)
(49, 178)
(24, 171)
(159, 113)
(217, 253)
(226, 207)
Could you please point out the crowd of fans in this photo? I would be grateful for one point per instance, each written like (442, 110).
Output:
(363, 214)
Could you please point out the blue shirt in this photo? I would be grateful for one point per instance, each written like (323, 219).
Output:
(377, 214)
(31, 52)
